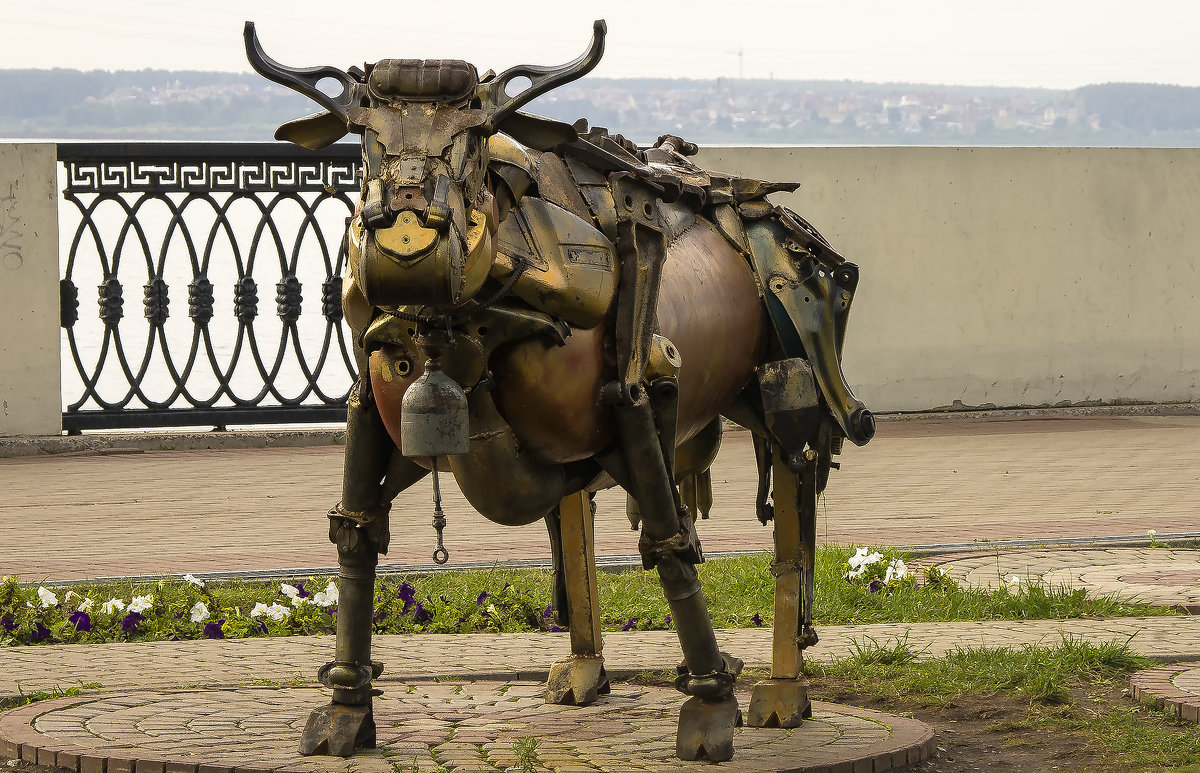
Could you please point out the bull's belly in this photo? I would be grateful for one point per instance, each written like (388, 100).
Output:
(709, 308)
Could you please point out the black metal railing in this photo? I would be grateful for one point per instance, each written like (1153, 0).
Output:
(199, 228)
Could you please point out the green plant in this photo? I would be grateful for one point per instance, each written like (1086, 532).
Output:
(526, 751)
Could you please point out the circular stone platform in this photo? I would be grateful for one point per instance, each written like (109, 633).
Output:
(1149, 575)
(1174, 687)
(461, 725)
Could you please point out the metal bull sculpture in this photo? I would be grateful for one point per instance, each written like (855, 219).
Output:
(545, 311)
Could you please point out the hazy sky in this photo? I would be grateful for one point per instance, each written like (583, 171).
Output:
(1053, 43)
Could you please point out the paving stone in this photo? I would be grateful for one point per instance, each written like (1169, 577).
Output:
(603, 738)
(917, 482)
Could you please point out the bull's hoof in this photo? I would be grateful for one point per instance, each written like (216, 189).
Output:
(337, 729)
(577, 681)
(706, 729)
(779, 703)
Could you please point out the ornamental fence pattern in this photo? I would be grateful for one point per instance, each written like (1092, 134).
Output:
(202, 235)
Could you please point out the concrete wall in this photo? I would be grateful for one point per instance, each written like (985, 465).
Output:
(990, 276)
(29, 321)
(1007, 276)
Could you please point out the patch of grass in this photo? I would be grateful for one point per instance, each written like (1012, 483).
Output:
(1064, 689)
(740, 593)
(23, 698)
(1043, 675)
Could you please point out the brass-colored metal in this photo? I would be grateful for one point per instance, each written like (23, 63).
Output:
(706, 729)
(805, 301)
(568, 267)
(594, 307)
(581, 678)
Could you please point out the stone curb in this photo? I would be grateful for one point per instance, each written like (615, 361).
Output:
(136, 442)
(1157, 685)
(909, 741)
(174, 440)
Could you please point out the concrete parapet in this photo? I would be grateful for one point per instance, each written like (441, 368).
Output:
(30, 403)
(1005, 277)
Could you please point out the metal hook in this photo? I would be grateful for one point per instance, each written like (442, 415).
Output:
(440, 554)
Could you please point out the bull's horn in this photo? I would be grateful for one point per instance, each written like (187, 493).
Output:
(303, 79)
(498, 104)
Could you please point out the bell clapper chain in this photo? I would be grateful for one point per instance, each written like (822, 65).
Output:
(440, 554)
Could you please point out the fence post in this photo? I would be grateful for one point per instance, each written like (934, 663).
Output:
(30, 401)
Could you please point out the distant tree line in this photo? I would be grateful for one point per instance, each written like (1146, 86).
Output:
(162, 104)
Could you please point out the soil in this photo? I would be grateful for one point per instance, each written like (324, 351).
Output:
(974, 733)
(977, 733)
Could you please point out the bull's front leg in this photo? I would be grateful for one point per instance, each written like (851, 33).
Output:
(374, 473)
(669, 544)
(581, 678)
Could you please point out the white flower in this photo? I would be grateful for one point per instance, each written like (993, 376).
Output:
(273, 611)
(1150, 533)
(86, 604)
(141, 603)
(112, 605)
(199, 612)
(1013, 582)
(277, 612)
(896, 571)
(860, 561)
(862, 558)
(327, 597)
(298, 601)
(193, 580)
(47, 597)
(291, 591)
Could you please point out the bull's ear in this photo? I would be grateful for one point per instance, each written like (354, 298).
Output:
(536, 132)
(313, 131)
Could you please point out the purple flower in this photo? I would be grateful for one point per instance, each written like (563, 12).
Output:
(81, 620)
(262, 626)
(40, 632)
(556, 629)
(757, 620)
(407, 594)
(547, 612)
(482, 598)
(421, 614)
(303, 593)
(629, 626)
(132, 621)
(875, 586)
(7, 623)
(667, 619)
(213, 630)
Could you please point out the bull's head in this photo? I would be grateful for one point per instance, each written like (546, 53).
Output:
(423, 232)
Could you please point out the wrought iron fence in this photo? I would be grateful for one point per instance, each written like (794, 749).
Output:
(206, 225)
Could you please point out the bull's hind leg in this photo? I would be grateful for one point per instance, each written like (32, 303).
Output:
(782, 701)
(358, 525)
(581, 678)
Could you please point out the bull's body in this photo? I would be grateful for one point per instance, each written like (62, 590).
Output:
(554, 315)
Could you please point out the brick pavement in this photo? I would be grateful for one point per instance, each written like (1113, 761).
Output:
(210, 724)
(1151, 575)
(1171, 687)
(204, 511)
(229, 662)
(448, 725)
(918, 482)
